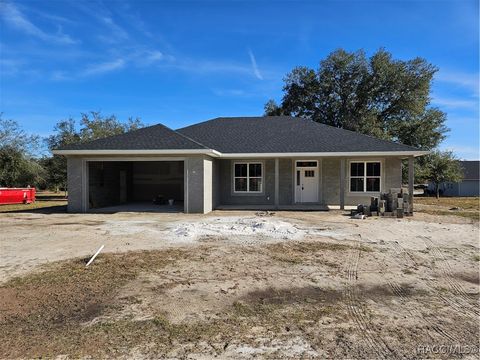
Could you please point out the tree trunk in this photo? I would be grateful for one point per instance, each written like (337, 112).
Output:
(437, 191)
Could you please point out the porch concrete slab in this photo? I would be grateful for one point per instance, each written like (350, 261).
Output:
(299, 207)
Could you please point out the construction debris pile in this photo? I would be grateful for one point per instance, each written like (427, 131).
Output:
(397, 203)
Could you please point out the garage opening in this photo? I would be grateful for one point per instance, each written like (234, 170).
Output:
(152, 186)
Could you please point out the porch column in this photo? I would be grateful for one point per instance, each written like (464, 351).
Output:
(410, 181)
(342, 184)
(277, 182)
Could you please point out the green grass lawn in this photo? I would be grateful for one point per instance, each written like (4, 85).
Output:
(37, 206)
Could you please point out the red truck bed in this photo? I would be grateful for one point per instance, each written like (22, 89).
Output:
(17, 195)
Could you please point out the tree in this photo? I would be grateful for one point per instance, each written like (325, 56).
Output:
(93, 126)
(440, 167)
(13, 136)
(377, 96)
(272, 108)
(18, 167)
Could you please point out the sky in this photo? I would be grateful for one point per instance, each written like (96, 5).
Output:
(182, 62)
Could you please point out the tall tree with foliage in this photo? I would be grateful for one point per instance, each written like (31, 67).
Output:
(440, 167)
(93, 126)
(378, 96)
(18, 167)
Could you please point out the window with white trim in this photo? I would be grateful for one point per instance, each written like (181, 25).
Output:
(365, 176)
(248, 177)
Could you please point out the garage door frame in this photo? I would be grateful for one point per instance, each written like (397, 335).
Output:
(86, 175)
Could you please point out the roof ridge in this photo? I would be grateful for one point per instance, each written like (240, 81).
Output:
(185, 136)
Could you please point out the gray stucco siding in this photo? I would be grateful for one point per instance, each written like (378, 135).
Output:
(208, 182)
(285, 184)
(391, 177)
(199, 184)
(75, 184)
(198, 181)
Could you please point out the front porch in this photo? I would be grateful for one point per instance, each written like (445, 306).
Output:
(281, 183)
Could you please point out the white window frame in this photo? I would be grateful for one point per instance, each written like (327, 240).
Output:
(248, 177)
(364, 177)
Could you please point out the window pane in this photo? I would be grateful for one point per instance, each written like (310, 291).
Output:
(298, 177)
(240, 169)
(356, 184)
(356, 169)
(241, 184)
(309, 173)
(256, 184)
(373, 184)
(373, 169)
(255, 170)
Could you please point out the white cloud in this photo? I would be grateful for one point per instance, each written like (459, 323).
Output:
(13, 17)
(469, 81)
(456, 103)
(104, 67)
(255, 69)
(9, 67)
(151, 57)
(117, 32)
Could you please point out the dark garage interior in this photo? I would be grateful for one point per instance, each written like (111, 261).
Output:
(147, 185)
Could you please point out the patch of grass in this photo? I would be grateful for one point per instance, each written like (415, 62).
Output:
(365, 248)
(50, 195)
(476, 257)
(473, 215)
(58, 205)
(304, 252)
(277, 309)
(467, 203)
(42, 314)
(469, 207)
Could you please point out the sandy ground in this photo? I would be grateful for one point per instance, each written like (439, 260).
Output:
(392, 285)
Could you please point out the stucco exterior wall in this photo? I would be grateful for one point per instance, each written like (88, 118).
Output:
(391, 174)
(209, 182)
(215, 183)
(285, 184)
(330, 174)
(207, 185)
(75, 184)
(198, 183)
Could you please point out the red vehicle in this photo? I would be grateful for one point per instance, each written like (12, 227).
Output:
(17, 195)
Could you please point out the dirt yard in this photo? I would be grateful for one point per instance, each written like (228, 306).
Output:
(239, 284)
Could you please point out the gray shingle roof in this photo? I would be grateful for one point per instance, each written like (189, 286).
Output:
(282, 134)
(277, 134)
(471, 170)
(157, 137)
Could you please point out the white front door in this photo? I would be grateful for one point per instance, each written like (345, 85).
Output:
(306, 181)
